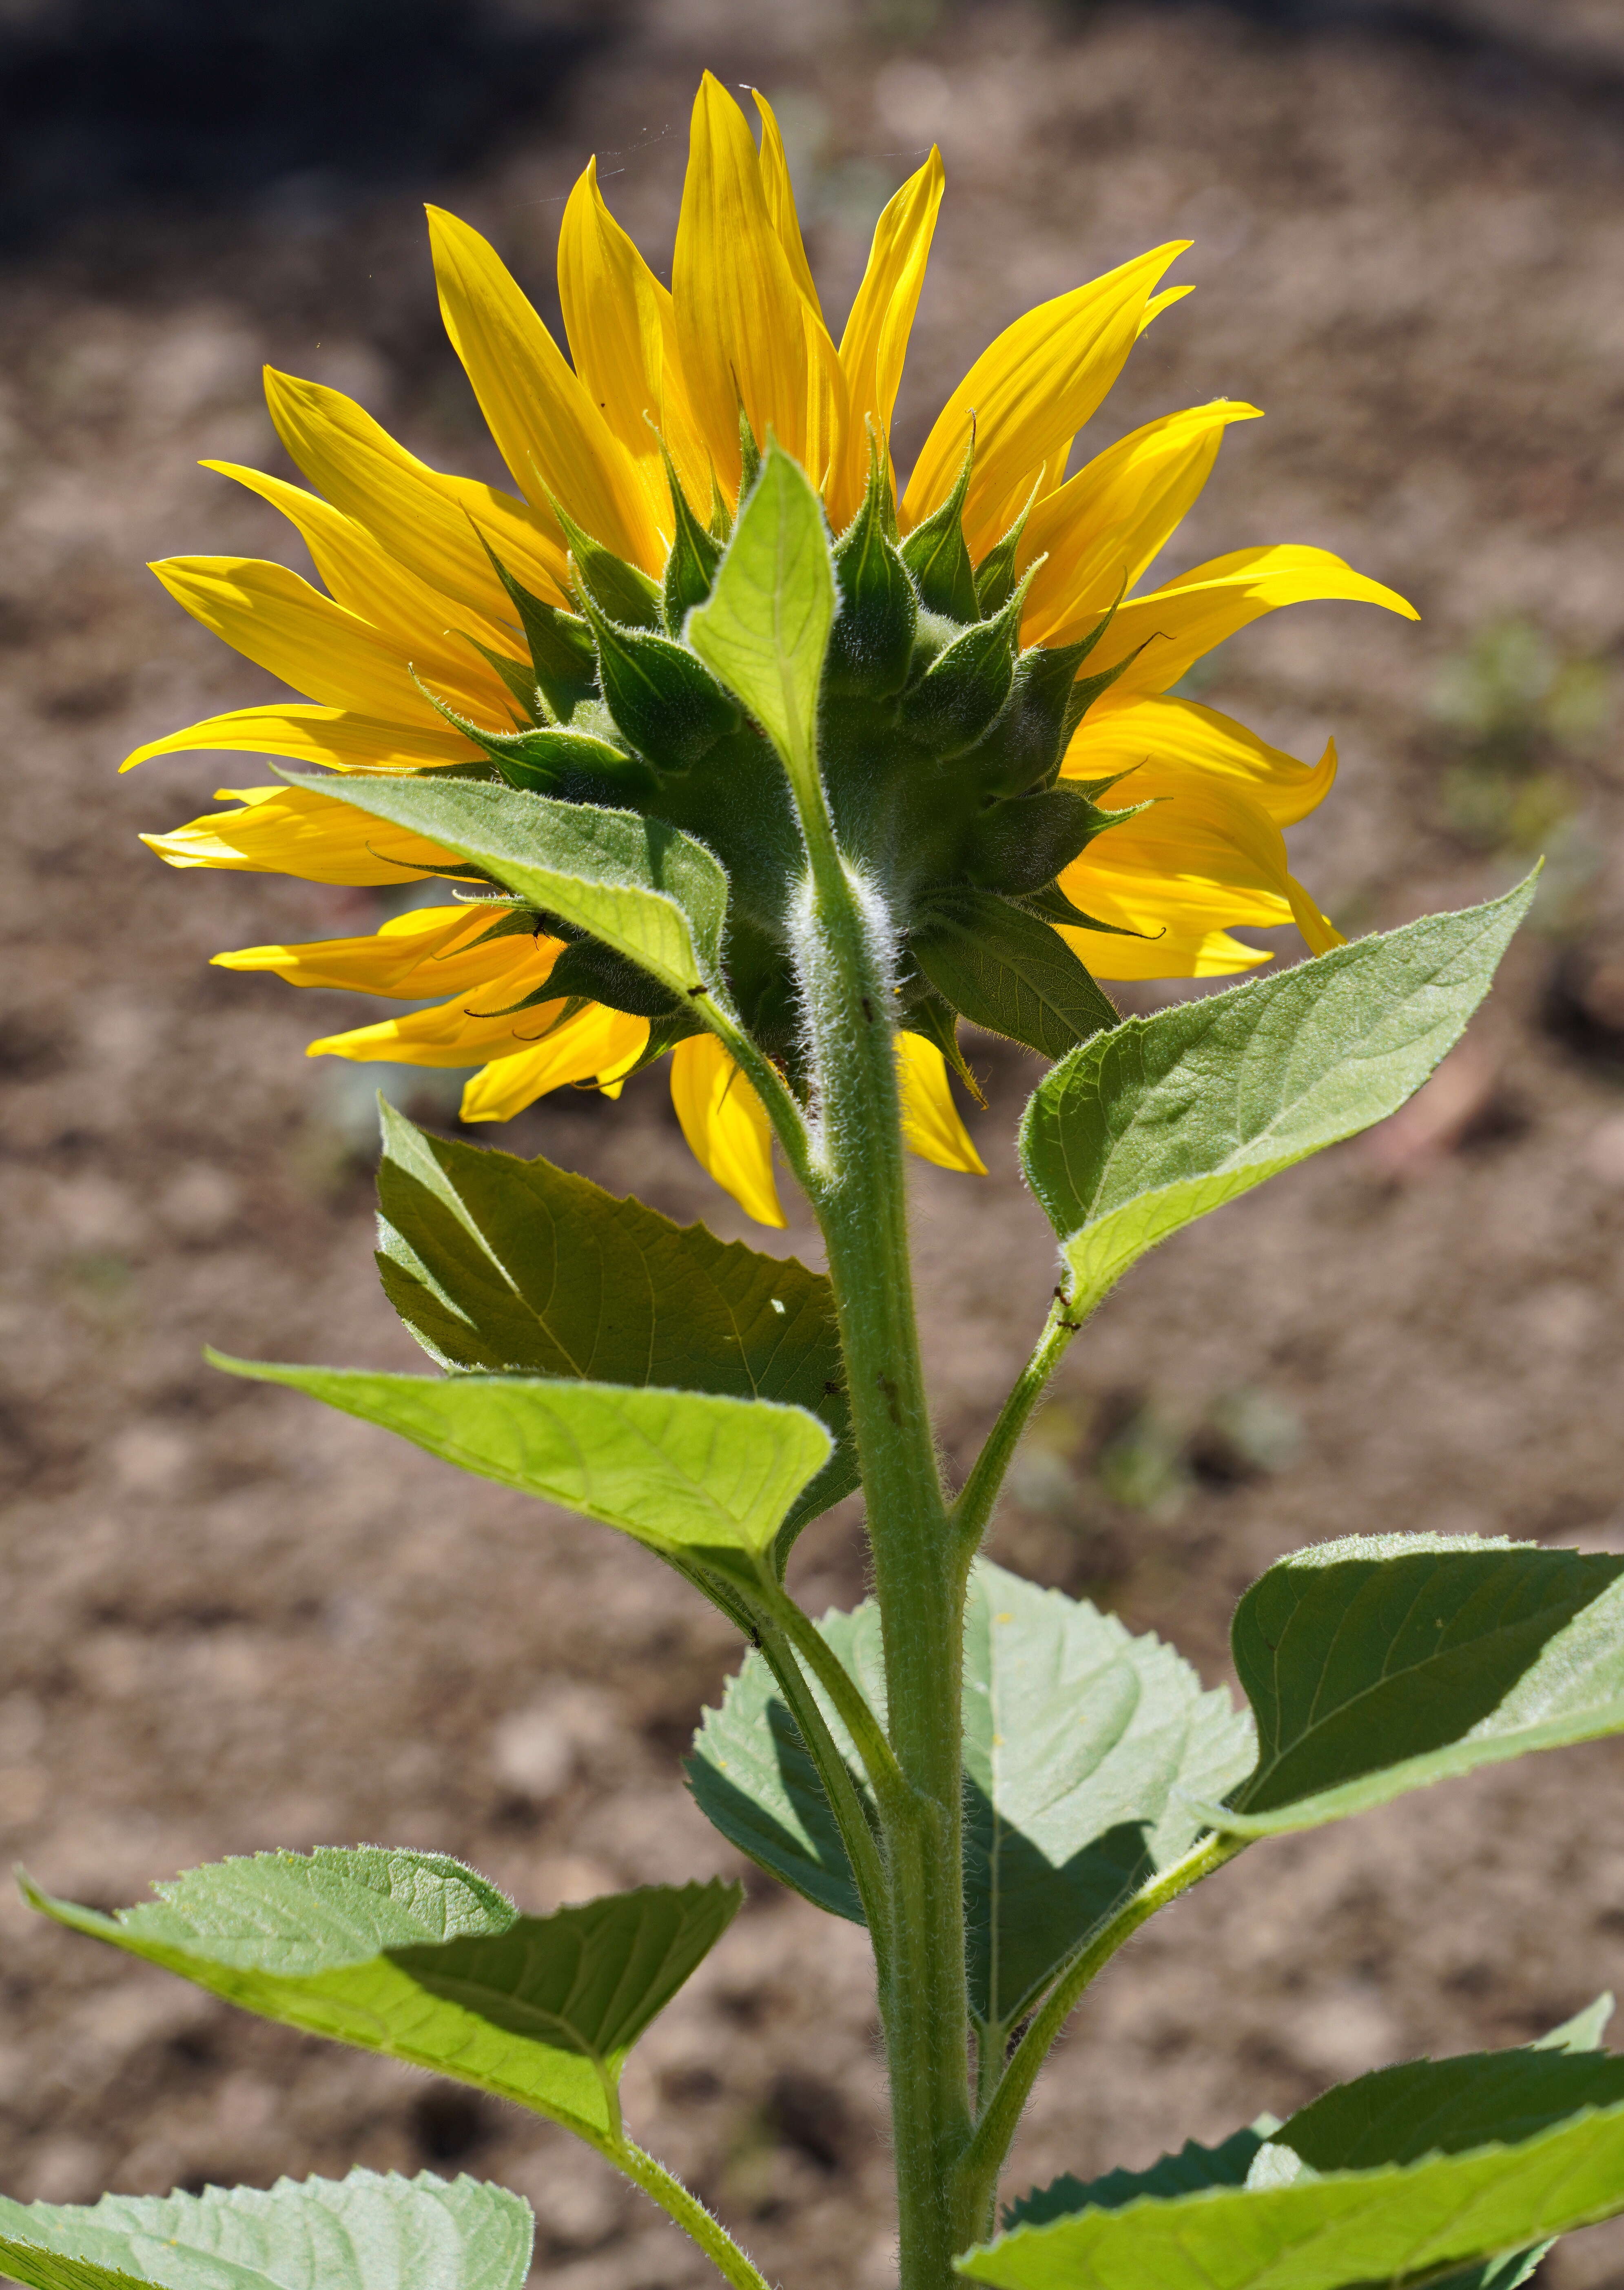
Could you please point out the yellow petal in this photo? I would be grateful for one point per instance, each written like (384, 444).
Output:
(427, 521)
(547, 429)
(1030, 393)
(1100, 529)
(596, 1046)
(726, 1125)
(1164, 300)
(1138, 734)
(282, 830)
(293, 632)
(1203, 857)
(343, 741)
(748, 336)
(1177, 623)
(429, 950)
(875, 343)
(931, 1123)
(368, 582)
(622, 332)
(779, 192)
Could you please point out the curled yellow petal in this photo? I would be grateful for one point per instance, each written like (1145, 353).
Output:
(748, 337)
(428, 951)
(363, 578)
(1098, 531)
(332, 736)
(428, 521)
(282, 830)
(725, 1124)
(1151, 733)
(932, 1126)
(547, 429)
(1177, 623)
(1029, 393)
(286, 626)
(622, 333)
(875, 343)
(597, 1046)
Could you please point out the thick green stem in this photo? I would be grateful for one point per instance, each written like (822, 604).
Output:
(974, 1506)
(977, 2186)
(689, 2213)
(858, 1191)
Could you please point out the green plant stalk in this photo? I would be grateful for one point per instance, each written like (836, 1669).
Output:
(976, 2191)
(974, 1506)
(859, 1193)
(687, 2210)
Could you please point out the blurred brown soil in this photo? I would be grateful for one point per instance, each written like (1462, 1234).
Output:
(232, 1622)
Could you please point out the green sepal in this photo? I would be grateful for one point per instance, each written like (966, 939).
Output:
(418, 1957)
(995, 575)
(1051, 905)
(936, 554)
(1026, 746)
(749, 457)
(559, 760)
(871, 646)
(1020, 844)
(1087, 689)
(597, 974)
(664, 1035)
(365, 2231)
(516, 1267)
(963, 692)
(691, 566)
(622, 590)
(523, 689)
(560, 642)
(664, 700)
(1001, 968)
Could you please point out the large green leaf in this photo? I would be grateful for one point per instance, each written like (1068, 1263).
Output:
(412, 1954)
(703, 1480)
(1391, 2178)
(1085, 1747)
(363, 2232)
(645, 888)
(1164, 1118)
(765, 628)
(1379, 1663)
(1002, 968)
(517, 1266)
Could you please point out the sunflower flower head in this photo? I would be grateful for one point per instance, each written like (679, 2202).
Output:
(1001, 755)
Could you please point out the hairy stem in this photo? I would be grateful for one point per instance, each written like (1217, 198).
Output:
(689, 2213)
(858, 1191)
(975, 1507)
(977, 2187)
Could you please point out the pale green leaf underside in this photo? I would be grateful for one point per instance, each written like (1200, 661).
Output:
(764, 629)
(413, 1955)
(1216, 2216)
(363, 2232)
(1379, 1664)
(1084, 1749)
(700, 1479)
(1142, 1130)
(645, 888)
(519, 1268)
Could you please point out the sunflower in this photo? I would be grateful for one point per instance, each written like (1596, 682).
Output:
(993, 675)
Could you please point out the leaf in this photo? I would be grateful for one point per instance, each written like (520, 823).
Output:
(765, 628)
(1379, 1663)
(517, 1266)
(1084, 1749)
(647, 890)
(1462, 2167)
(703, 1480)
(363, 2232)
(1083, 1745)
(413, 1955)
(1167, 1117)
(1002, 968)
(1386, 2224)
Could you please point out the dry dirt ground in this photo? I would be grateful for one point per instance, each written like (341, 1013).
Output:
(231, 1621)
